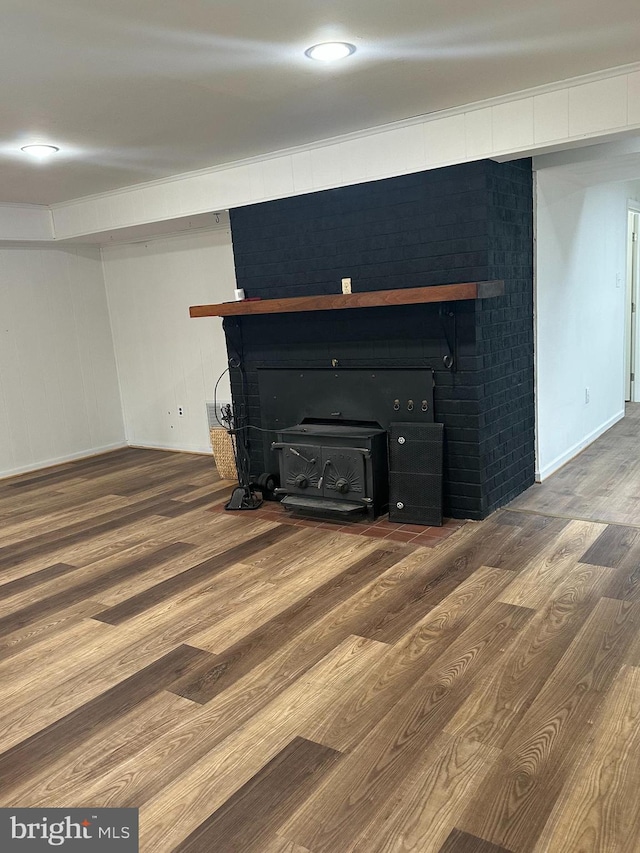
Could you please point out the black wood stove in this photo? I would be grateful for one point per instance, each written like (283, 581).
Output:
(333, 469)
(334, 461)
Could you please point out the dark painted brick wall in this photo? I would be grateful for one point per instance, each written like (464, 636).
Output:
(504, 333)
(463, 223)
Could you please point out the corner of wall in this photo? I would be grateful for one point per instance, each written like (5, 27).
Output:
(125, 430)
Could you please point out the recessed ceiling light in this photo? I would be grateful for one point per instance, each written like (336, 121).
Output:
(39, 151)
(330, 50)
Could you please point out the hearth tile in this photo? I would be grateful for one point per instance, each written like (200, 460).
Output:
(425, 540)
(401, 536)
(375, 532)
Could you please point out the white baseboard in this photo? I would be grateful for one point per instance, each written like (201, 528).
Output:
(183, 448)
(569, 454)
(59, 460)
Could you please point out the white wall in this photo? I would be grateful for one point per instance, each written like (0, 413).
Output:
(165, 359)
(580, 309)
(59, 395)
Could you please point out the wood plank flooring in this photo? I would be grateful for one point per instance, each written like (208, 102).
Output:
(258, 687)
(600, 484)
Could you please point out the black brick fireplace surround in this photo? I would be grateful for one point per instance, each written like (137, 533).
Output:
(471, 222)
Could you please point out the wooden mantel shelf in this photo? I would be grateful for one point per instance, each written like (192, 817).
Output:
(371, 299)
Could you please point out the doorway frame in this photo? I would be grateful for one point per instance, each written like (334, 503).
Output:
(632, 299)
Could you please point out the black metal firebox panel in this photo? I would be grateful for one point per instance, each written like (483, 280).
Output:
(352, 395)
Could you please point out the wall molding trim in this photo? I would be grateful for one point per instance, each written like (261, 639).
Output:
(183, 448)
(604, 105)
(593, 77)
(60, 460)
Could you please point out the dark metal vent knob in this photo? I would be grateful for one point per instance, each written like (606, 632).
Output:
(301, 481)
(342, 486)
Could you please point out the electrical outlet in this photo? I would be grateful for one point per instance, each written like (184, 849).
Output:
(346, 285)
(180, 411)
(586, 395)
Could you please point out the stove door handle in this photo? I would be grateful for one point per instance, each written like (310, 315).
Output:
(366, 452)
(280, 445)
(295, 452)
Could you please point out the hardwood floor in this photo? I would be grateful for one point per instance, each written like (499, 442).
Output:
(601, 484)
(258, 687)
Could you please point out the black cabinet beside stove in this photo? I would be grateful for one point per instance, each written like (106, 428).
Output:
(415, 473)
(333, 470)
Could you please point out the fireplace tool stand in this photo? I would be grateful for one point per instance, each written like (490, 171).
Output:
(243, 496)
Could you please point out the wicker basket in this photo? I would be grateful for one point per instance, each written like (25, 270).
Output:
(223, 455)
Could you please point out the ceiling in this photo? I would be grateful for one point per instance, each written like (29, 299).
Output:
(134, 90)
